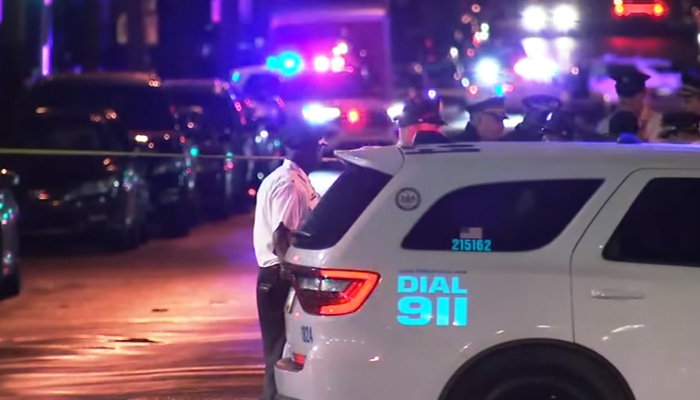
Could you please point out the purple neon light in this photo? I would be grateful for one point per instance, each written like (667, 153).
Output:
(215, 11)
(0, 11)
(46, 59)
(48, 2)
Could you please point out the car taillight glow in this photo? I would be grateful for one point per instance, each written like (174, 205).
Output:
(621, 9)
(333, 291)
(299, 359)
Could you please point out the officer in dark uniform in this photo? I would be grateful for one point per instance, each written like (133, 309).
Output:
(690, 92)
(681, 127)
(630, 85)
(485, 121)
(421, 123)
(623, 122)
(540, 115)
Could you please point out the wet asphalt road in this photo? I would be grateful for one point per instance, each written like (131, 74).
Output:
(174, 319)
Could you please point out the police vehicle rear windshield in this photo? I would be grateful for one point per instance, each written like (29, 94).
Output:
(138, 106)
(329, 86)
(340, 207)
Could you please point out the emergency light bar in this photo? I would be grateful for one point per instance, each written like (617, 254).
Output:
(291, 63)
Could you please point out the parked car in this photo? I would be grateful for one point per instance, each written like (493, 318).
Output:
(103, 197)
(10, 279)
(143, 108)
(213, 119)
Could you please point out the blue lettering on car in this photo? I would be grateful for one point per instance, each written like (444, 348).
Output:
(437, 300)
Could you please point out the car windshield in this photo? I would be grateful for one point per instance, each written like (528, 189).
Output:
(326, 86)
(138, 106)
(216, 107)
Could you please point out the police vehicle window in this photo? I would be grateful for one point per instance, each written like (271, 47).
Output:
(661, 227)
(262, 86)
(322, 87)
(340, 207)
(137, 106)
(501, 217)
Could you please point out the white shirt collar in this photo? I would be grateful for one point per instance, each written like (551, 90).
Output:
(294, 167)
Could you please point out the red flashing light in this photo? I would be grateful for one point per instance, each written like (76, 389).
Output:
(333, 292)
(507, 88)
(353, 116)
(252, 192)
(473, 90)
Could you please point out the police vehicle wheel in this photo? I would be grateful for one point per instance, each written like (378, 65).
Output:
(538, 373)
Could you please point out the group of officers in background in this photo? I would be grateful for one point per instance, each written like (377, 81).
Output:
(545, 119)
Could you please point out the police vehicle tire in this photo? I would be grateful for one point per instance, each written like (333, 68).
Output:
(546, 372)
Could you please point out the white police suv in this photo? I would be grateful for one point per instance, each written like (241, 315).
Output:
(500, 271)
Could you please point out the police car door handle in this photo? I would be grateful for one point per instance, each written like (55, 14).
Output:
(616, 294)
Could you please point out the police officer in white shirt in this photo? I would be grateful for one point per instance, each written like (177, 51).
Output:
(285, 198)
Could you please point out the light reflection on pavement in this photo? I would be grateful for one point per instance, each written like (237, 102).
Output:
(174, 318)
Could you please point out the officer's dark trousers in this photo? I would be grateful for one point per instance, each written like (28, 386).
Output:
(271, 296)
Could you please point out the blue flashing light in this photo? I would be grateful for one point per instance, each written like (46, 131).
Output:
(500, 90)
(290, 63)
(236, 76)
(272, 63)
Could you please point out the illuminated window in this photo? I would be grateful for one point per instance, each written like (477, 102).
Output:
(514, 216)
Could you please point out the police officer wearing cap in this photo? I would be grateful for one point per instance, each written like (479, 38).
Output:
(485, 121)
(541, 120)
(421, 123)
(284, 199)
(630, 85)
(681, 128)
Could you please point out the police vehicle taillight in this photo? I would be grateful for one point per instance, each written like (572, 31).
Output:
(333, 291)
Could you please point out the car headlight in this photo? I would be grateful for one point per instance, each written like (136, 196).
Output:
(565, 17)
(318, 114)
(395, 110)
(488, 71)
(534, 18)
(100, 187)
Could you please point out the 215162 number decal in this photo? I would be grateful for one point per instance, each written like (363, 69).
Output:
(471, 245)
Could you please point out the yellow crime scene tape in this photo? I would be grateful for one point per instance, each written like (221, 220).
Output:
(53, 152)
